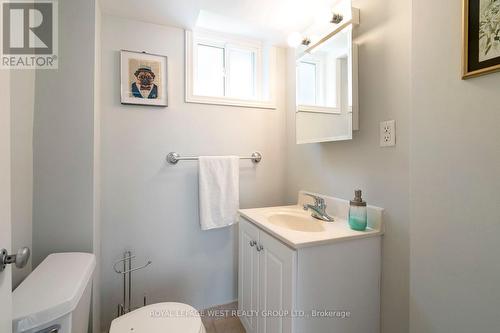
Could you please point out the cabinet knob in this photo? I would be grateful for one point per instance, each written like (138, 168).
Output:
(260, 247)
(253, 243)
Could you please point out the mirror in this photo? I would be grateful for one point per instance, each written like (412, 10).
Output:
(327, 89)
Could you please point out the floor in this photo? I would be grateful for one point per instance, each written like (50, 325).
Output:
(225, 325)
(221, 319)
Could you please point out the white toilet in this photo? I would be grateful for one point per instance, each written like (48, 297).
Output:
(55, 297)
(160, 318)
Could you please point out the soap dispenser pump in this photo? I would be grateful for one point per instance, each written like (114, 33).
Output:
(357, 212)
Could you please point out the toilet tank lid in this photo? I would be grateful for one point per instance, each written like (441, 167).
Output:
(52, 290)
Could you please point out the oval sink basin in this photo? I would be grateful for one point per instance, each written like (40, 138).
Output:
(295, 222)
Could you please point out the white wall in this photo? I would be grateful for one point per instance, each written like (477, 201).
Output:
(22, 83)
(339, 168)
(5, 209)
(455, 181)
(152, 208)
(96, 242)
(66, 143)
(63, 139)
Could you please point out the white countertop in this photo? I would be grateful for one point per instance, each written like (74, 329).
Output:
(336, 231)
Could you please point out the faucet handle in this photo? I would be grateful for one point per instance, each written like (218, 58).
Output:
(318, 201)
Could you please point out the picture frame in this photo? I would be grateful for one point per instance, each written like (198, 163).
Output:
(143, 78)
(481, 37)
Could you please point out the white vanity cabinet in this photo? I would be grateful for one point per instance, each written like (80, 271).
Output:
(248, 275)
(328, 287)
(266, 281)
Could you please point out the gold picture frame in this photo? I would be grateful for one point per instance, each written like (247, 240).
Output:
(472, 66)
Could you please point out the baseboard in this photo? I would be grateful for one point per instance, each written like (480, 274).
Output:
(220, 311)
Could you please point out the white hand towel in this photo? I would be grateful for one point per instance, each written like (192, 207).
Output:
(219, 192)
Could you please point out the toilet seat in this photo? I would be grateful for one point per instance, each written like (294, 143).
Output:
(160, 318)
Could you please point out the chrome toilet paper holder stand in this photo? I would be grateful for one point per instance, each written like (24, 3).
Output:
(126, 272)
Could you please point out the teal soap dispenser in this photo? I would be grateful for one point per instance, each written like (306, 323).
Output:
(357, 212)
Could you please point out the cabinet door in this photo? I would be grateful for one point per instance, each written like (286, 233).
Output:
(248, 275)
(277, 267)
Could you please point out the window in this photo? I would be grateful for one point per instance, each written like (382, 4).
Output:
(319, 83)
(210, 71)
(241, 73)
(307, 84)
(227, 70)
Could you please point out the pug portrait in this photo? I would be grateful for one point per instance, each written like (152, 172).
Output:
(144, 85)
(143, 78)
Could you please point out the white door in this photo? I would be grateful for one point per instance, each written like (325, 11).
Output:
(5, 231)
(277, 267)
(248, 275)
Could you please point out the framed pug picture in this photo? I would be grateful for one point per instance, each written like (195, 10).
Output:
(481, 37)
(143, 78)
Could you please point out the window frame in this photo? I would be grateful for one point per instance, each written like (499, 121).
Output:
(227, 42)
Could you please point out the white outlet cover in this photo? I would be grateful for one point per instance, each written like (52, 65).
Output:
(388, 133)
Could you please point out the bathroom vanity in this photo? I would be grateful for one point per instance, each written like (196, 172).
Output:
(300, 274)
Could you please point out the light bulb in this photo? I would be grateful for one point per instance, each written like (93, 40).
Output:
(294, 39)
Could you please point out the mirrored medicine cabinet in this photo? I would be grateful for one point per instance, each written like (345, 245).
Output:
(327, 85)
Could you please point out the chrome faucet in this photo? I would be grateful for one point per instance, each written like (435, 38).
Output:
(318, 209)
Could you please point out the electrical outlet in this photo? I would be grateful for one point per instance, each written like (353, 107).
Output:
(388, 133)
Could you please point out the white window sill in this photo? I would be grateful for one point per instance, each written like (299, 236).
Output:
(230, 102)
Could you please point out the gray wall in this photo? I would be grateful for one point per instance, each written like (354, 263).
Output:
(63, 139)
(152, 208)
(455, 181)
(382, 173)
(22, 84)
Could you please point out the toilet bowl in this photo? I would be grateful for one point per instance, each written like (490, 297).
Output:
(160, 318)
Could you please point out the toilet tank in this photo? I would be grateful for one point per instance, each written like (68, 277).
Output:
(55, 297)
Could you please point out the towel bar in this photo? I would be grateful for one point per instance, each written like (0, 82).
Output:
(173, 158)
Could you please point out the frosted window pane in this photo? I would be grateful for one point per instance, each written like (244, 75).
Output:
(209, 71)
(306, 89)
(241, 74)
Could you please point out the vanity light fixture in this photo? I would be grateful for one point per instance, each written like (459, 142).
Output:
(341, 26)
(295, 39)
(337, 18)
(311, 48)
